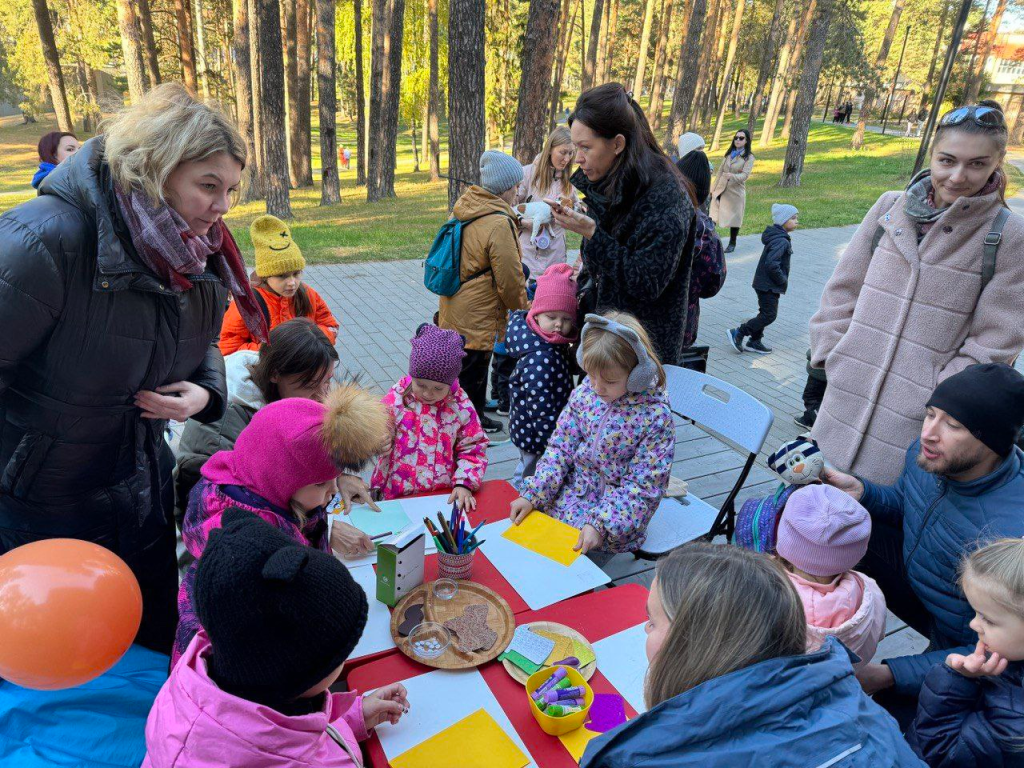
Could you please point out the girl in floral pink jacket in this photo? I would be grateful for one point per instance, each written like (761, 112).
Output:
(436, 440)
(607, 465)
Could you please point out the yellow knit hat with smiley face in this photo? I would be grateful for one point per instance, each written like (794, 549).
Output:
(276, 252)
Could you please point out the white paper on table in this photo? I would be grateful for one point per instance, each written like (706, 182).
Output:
(440, 699)
(377, 634)
(622, 659)
(539, 580)
(371, 559)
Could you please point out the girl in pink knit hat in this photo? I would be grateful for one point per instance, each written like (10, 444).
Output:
(284, 468)
(436, 441)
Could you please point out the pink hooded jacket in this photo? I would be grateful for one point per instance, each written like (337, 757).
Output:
(851, 608)
(194, 724)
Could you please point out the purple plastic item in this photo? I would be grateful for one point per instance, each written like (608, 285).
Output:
(607, 712)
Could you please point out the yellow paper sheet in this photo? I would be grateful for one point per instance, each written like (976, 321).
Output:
(583, 653)
(478, 741)
(546, 536)
(576, 741)
(562, 649)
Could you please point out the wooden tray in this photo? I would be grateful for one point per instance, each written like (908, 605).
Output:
(550, 626)
(499, 618)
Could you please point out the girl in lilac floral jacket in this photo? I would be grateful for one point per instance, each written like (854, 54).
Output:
(436, 438)
(607, 466)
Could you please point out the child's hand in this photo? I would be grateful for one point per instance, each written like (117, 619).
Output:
(463, 497)
(349, 541)
(385, 704)
(590, 538)
(976, 664)
(520, 509)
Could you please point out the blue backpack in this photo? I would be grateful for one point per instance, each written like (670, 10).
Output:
(443, 267)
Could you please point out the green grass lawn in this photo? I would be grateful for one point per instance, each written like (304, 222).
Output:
(838, 186)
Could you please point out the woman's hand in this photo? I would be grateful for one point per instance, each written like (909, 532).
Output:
(977, 664)
(463, 497)
(521, 507)
(354, 490)
(571, 220)
(348, 541)
(385, 704)
(525, 224)
(846, 483)
(875, 677)
(178, 401)
(590, 538)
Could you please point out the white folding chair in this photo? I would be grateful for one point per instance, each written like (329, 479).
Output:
(735, 419)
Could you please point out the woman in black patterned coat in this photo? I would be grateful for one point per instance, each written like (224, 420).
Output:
(640, 219)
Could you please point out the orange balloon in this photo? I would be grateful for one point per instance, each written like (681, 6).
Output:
(69, 610)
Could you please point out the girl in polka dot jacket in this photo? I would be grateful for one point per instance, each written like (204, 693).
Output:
(436, 441)
(542, 381)
(607, 464)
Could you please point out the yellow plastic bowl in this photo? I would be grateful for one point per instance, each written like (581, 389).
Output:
(556, 726)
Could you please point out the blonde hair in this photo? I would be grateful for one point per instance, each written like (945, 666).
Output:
(168, 126)
(1000, 563)
(603, 350)
(730, 609)
(544, 176)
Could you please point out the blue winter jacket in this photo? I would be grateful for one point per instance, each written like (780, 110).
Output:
(967, 722)
(942, 520)
(806, 710)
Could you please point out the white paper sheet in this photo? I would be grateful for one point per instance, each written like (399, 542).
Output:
(622, 658)
(539, 580)
(377, 634)
(438, 700)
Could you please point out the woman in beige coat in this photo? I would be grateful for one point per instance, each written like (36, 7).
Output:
(898, 318)
(729, 194)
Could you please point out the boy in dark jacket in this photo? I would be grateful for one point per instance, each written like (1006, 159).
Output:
(770, 280)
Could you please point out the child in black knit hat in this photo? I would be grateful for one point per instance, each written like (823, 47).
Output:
(279, 619)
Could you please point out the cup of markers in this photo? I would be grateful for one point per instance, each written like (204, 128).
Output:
(559, 699)
(456, 543)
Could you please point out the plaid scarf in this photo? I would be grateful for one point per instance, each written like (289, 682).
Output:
(172, 251)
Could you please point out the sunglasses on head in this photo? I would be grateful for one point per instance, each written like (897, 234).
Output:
(983, 116)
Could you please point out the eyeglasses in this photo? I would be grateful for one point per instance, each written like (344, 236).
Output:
(987, 117)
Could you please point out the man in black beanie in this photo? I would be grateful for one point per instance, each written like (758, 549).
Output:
(962, 484)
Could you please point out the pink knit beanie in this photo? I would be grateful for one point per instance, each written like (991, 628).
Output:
(823, 531)
(556, 292)
(436, 355)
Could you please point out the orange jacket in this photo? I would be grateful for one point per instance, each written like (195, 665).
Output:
(235, 336)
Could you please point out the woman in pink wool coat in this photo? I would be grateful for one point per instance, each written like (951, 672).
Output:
(436, 440)
(822, 536)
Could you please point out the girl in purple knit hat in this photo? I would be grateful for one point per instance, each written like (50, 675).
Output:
(436, 441)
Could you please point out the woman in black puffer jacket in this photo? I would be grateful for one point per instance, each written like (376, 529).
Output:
(641, 218)
(113, 283)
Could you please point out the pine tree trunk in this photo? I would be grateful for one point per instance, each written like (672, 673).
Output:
(360, 96)
(529, 135)
(689, 69)
(765, 67)
(730, 60)
(202, 61)
(91, 118)
(152, 57)
(243, 96)
(378, 56)
(926, 92)
(793, 74)
(988, 40)
(714, 46)
(1017, 132)
(660, 57)
(433, 96)
(771, 115)
(274, 135)
(869, 93)
(183, 15)
(645, 40)
(303, 56)
(603, 49)
(58, 92)
(424, 130)
(787, 124)
(291, 83)
(810, 71)
(131, 45)
(330, 185)
(465, 94)
(385, 82)
(415, 146)
(257, 92)
(590, 66)
(560, 64)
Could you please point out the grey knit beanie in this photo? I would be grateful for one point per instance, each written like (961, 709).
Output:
(783, 212)
(499, 172)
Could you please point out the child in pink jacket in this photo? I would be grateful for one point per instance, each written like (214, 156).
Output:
(822, 536)
(252, 688)
(436, 441)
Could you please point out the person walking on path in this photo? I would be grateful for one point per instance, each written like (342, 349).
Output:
(729, 194)
(770, 280)
(924, 290)
(492, 273)
(961, 483)
(639, 225)
(114, 283)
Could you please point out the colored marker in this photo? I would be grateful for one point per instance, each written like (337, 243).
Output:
(381, 535)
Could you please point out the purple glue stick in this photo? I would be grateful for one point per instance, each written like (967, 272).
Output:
(549, 683)
(575, 692)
